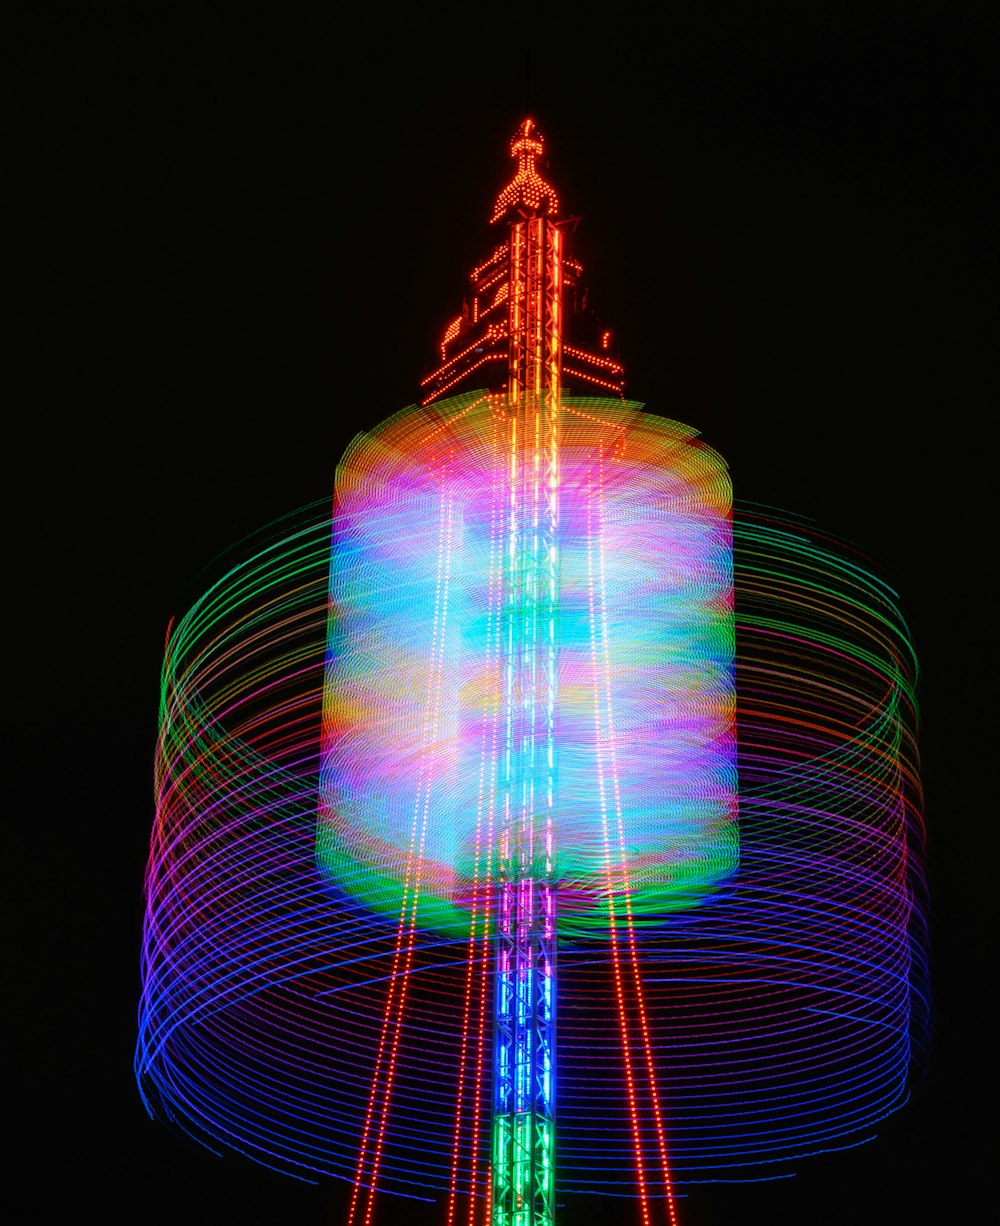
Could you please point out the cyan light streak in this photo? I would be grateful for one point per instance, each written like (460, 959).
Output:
(786, 1006)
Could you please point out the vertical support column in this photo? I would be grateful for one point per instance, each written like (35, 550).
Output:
(525, 997)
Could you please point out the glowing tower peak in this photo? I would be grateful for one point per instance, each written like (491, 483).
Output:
(527, 191)
(526, 325)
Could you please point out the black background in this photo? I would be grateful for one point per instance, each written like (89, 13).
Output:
(242, 234)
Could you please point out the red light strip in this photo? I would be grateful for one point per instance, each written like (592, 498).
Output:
(591, 357)
(556, 346)
(486, 804)
(393, 980)
(450, 333)
(644, 1027)
(464, 1043)
(481, 1066)
(499, 275)
(588, 378)
(432, 715)
(538, 306)
(495, 306)
(516, 313)
(493, 332)
(498, 254)
(487, 800)
(489, 357)
(626, 892)
(601, 740)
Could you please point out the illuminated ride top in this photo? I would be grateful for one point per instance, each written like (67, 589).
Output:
(490, 344)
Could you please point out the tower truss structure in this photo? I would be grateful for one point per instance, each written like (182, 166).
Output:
(523, 1147)
(494, 342)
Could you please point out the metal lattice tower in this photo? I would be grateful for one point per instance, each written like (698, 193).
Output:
(526, 313)
(524, 1009)
(525, 985)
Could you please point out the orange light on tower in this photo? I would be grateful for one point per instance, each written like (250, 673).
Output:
(527, 307)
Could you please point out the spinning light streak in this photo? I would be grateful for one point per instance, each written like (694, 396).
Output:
(418, 701)
(607, 791)
(494, 723)
(782, 1012)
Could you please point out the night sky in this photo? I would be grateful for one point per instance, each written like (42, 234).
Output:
(241, 237)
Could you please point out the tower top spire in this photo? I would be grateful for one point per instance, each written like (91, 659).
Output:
(526, 326)
(527, 188)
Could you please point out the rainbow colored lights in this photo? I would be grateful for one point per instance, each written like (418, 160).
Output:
(321, 1012)
(461, 772)
(418, 699)
(484, 721)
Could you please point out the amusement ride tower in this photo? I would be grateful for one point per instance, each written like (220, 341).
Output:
(513, 324)
(485, 705)
(506, 556)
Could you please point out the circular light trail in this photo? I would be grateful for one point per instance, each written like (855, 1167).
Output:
(772, 1000)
